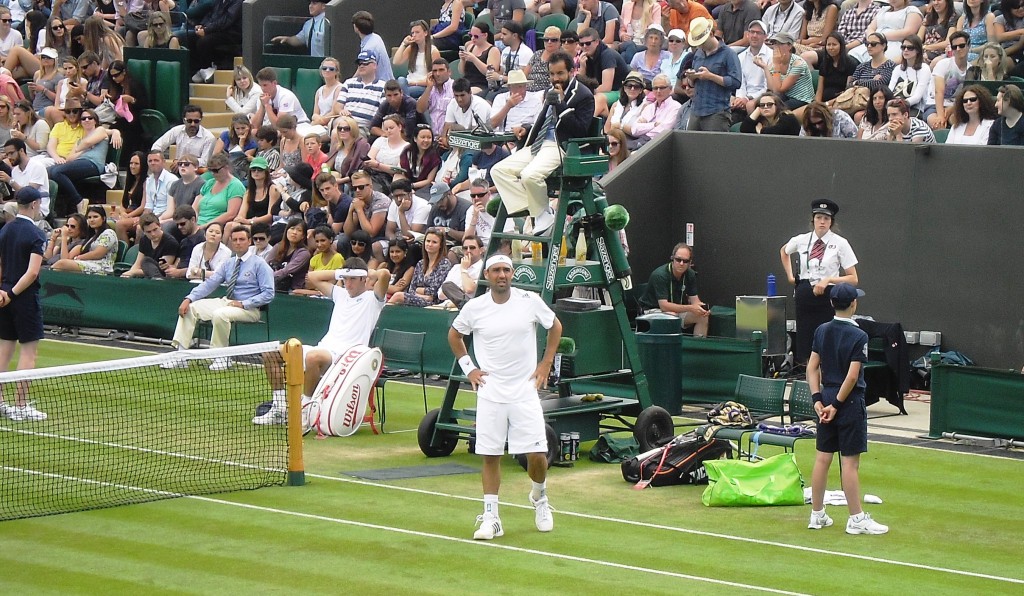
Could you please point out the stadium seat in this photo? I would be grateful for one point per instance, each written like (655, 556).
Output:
(941, 135)
(764, 399)
(814, 79)
(735, 127)
(558, 20)
(154, 124)
(113, 156)
(284, 76)
(403, 355)
(801, 409)
(453, 66)
(529, 21)
(486, 18)
(126, 259)
(307, 81)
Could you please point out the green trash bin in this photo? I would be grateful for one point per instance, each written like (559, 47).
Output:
(660, 349)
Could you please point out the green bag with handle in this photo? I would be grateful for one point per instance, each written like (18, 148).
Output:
(740, 483)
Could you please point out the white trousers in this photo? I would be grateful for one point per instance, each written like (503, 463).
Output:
(521, 178)
(212, 309)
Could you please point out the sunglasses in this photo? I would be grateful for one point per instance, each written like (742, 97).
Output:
(57, 27)
(478, 195)
(660, 87)
(343, 128)
(115, 74)
(6, 20)
(328, 69)
(260, 238)
(470, 247)
(970, 99)
(958, 46)
(193, 120)
(552, 40)
(182, 164)
(670, 40)
(905, 48)
(587, 44)
(569, 40)
(873, 44)
(74, 111)
(357, 242)
(680, 260)
(613, 144)
(772, 42)
(216, 170)
(767, 104)
(359, 187)
(633, 86)
(477, 36)
(72, 226)
(182, 224)
(84, 118)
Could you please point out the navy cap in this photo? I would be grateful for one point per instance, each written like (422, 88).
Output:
(825, 206)
(26, 195)
(844, 293)
(365, 57)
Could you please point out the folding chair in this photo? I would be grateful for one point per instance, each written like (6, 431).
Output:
(403, 353)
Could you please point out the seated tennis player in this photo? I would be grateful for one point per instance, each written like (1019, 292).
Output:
(356, 309)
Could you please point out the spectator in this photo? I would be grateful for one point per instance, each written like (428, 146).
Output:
(296, 196)
(406, 218)
(429, 274)
(158, 188)
(68, 86)
(276, 101)
(715, 76)
(656, 116)
(786, 16)
(672, 289)
(771, 117)
(44, 80)
(787, 74)
(184, 190)
(158, 252)
(266, 147)
(158, 32)
(947, 77)
(9, 37)
(939, 21)
(734, 21)
(221, 196)
(902, 127)
(618, 149)
(648, 63)
(261, 246)
(979, 24)
(460, 283)
(990, 65)
(627, 108)
(238, 144)
(820, 18)
(289, 144)
(243, 95)
(97, 254)
(399, 265)
(290, 260)
(29, 128)
(188, 235)
(360, 96)
(219, 29)
(326, 185)
(312, 34)
(97, 83)
(326, 97)
(348, 147)
(262, 200)
(368, 212)
(974, 113)
(420, 159)
(26, 172)
(505, 11)
(516, 109)
(481, 164)
(326, 256)
(372, 44)
(397, 104)
(601, 63)
(877, 70)
(537, 70)
(102, 41)
(835, 67)
(1008, 128)
(896, 24)
(210, 255)
(64, 239)
(418, 52)
(1009, 31)
(571, 46)
(385, 157)
(635, 26)
(133, 200)
(358, 245)
(466, 112)
(480, 223)
(132, 95)
(875, 124)
(600, 16)
(313, 155)
(478, 57)
(753, 82)
(854, 23)
(437, 94)
(74, 12)
(448, 213)
(821, 121)
(189, 137)
(85, 161)
(448, 31)
(912, 78)
(516, 55)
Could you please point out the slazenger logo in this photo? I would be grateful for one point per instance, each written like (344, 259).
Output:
(524, 273)
(350, 408)
(578, 273)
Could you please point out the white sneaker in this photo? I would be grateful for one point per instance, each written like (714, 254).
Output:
(204, 75)
(221, 364)
(865, 526)
(542, 514)
(273, 416)
(490, 527)
(543, 222)
(175, 363)
(5, 410)
(310, 413)
(819, 521)
(25, 413)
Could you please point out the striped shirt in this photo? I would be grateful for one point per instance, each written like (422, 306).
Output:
(803, 89)
(362, 99)
(918, 128)
(864, 75)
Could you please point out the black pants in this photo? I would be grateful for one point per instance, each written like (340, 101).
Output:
(811, 312)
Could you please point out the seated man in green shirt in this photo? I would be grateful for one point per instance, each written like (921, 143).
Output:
(672, 289)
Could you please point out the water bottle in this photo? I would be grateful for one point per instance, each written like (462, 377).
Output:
(771, 284)
(491, 84)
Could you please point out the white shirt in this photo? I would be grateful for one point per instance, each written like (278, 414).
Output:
(286, 102)
(464, 118)
(838, 255)
(195, 262)
(352, 320)
(34, 174)
(156, 191)
(753, 83)
(519, 115)
(958, 134)
(455, 276)
(416, 215)
(788, 21)
(13, 39)
(515, 60)
(505, 342)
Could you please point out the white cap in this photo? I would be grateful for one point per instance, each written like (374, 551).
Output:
(498, 259)
(340, 273)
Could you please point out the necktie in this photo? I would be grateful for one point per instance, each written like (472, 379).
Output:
(818, 250)
(234, 278)
(542, 134)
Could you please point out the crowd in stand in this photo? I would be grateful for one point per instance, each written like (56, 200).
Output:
(371, 171)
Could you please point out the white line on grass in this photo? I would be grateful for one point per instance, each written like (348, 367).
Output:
(630, 522)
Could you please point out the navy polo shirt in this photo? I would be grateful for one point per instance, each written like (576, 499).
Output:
(19, 239)
(838, 343)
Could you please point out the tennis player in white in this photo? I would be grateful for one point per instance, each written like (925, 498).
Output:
(503, 323)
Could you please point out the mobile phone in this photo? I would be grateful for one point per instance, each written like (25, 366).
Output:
(705, 306)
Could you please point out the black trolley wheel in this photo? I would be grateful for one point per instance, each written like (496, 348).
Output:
(653, 428)
(425, 434)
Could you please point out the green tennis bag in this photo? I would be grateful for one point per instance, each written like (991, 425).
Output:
(740, 483)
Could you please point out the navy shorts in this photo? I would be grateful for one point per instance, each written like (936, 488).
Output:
(847, 434)
(22, 319)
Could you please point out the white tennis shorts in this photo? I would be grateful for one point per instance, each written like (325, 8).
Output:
(519, 423)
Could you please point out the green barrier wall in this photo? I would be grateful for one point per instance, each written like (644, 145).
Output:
(711, 365)
(977, 401)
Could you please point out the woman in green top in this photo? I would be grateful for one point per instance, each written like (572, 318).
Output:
(221, 196)
(787, 74)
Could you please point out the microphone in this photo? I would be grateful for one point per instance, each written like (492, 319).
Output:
(481, 126)
(552, 97)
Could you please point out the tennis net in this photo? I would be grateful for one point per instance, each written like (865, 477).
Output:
(130, 431)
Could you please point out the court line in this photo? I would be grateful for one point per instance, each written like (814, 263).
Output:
(420, 534)
(745, 539)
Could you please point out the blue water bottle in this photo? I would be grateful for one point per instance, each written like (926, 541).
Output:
(771, 284)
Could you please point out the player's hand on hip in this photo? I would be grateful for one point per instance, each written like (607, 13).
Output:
(540, 374)
(476, 377)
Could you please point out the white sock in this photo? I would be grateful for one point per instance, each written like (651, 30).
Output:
(491, 504)
(858, 517)
(818, 513)
(539, 491)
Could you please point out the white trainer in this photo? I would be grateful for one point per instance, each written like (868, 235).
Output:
(866, 525)
(5, 410)
(25, 413)
(489, 527)
(273, 416)
(543, 222)
(819, 521)
(542, 514)
(310, 413)
(221, 364)
(175, 363)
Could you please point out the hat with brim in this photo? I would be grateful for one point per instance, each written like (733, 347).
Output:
(759, 23)
(825, 207)
(844, 294)
(517, 77)
(701, 29)
(634, 77)
(259, 163)
(678, 34)
(302, 174)
(434, 193)
(49, 53)
(365, 57)
(655, 27)
(10, 208)
(782, 37)
(26, 195)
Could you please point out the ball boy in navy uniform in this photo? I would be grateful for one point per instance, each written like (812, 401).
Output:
(21, 316)
(836, 376)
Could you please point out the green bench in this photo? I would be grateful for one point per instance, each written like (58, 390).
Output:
(764, 399)
(801, 409)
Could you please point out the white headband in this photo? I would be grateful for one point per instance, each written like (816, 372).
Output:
(340, 273)
(495, 259)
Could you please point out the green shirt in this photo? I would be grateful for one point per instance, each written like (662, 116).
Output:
(214, 205)
(662, 285)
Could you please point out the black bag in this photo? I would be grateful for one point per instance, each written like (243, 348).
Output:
(681, 461)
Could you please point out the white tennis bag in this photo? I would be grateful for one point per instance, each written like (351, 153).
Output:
(338, 406)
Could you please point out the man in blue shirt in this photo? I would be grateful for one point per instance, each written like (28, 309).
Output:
(21, 316)
(249, 282)
(312, 34)
(362, 23)
(716, 74)
(835, 373)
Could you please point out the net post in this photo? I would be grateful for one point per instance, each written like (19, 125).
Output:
(291, 353)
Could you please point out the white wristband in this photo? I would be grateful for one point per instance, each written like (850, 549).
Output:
(338, 275)
(466, 363)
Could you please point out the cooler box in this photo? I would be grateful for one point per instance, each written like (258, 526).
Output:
(766, 314)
